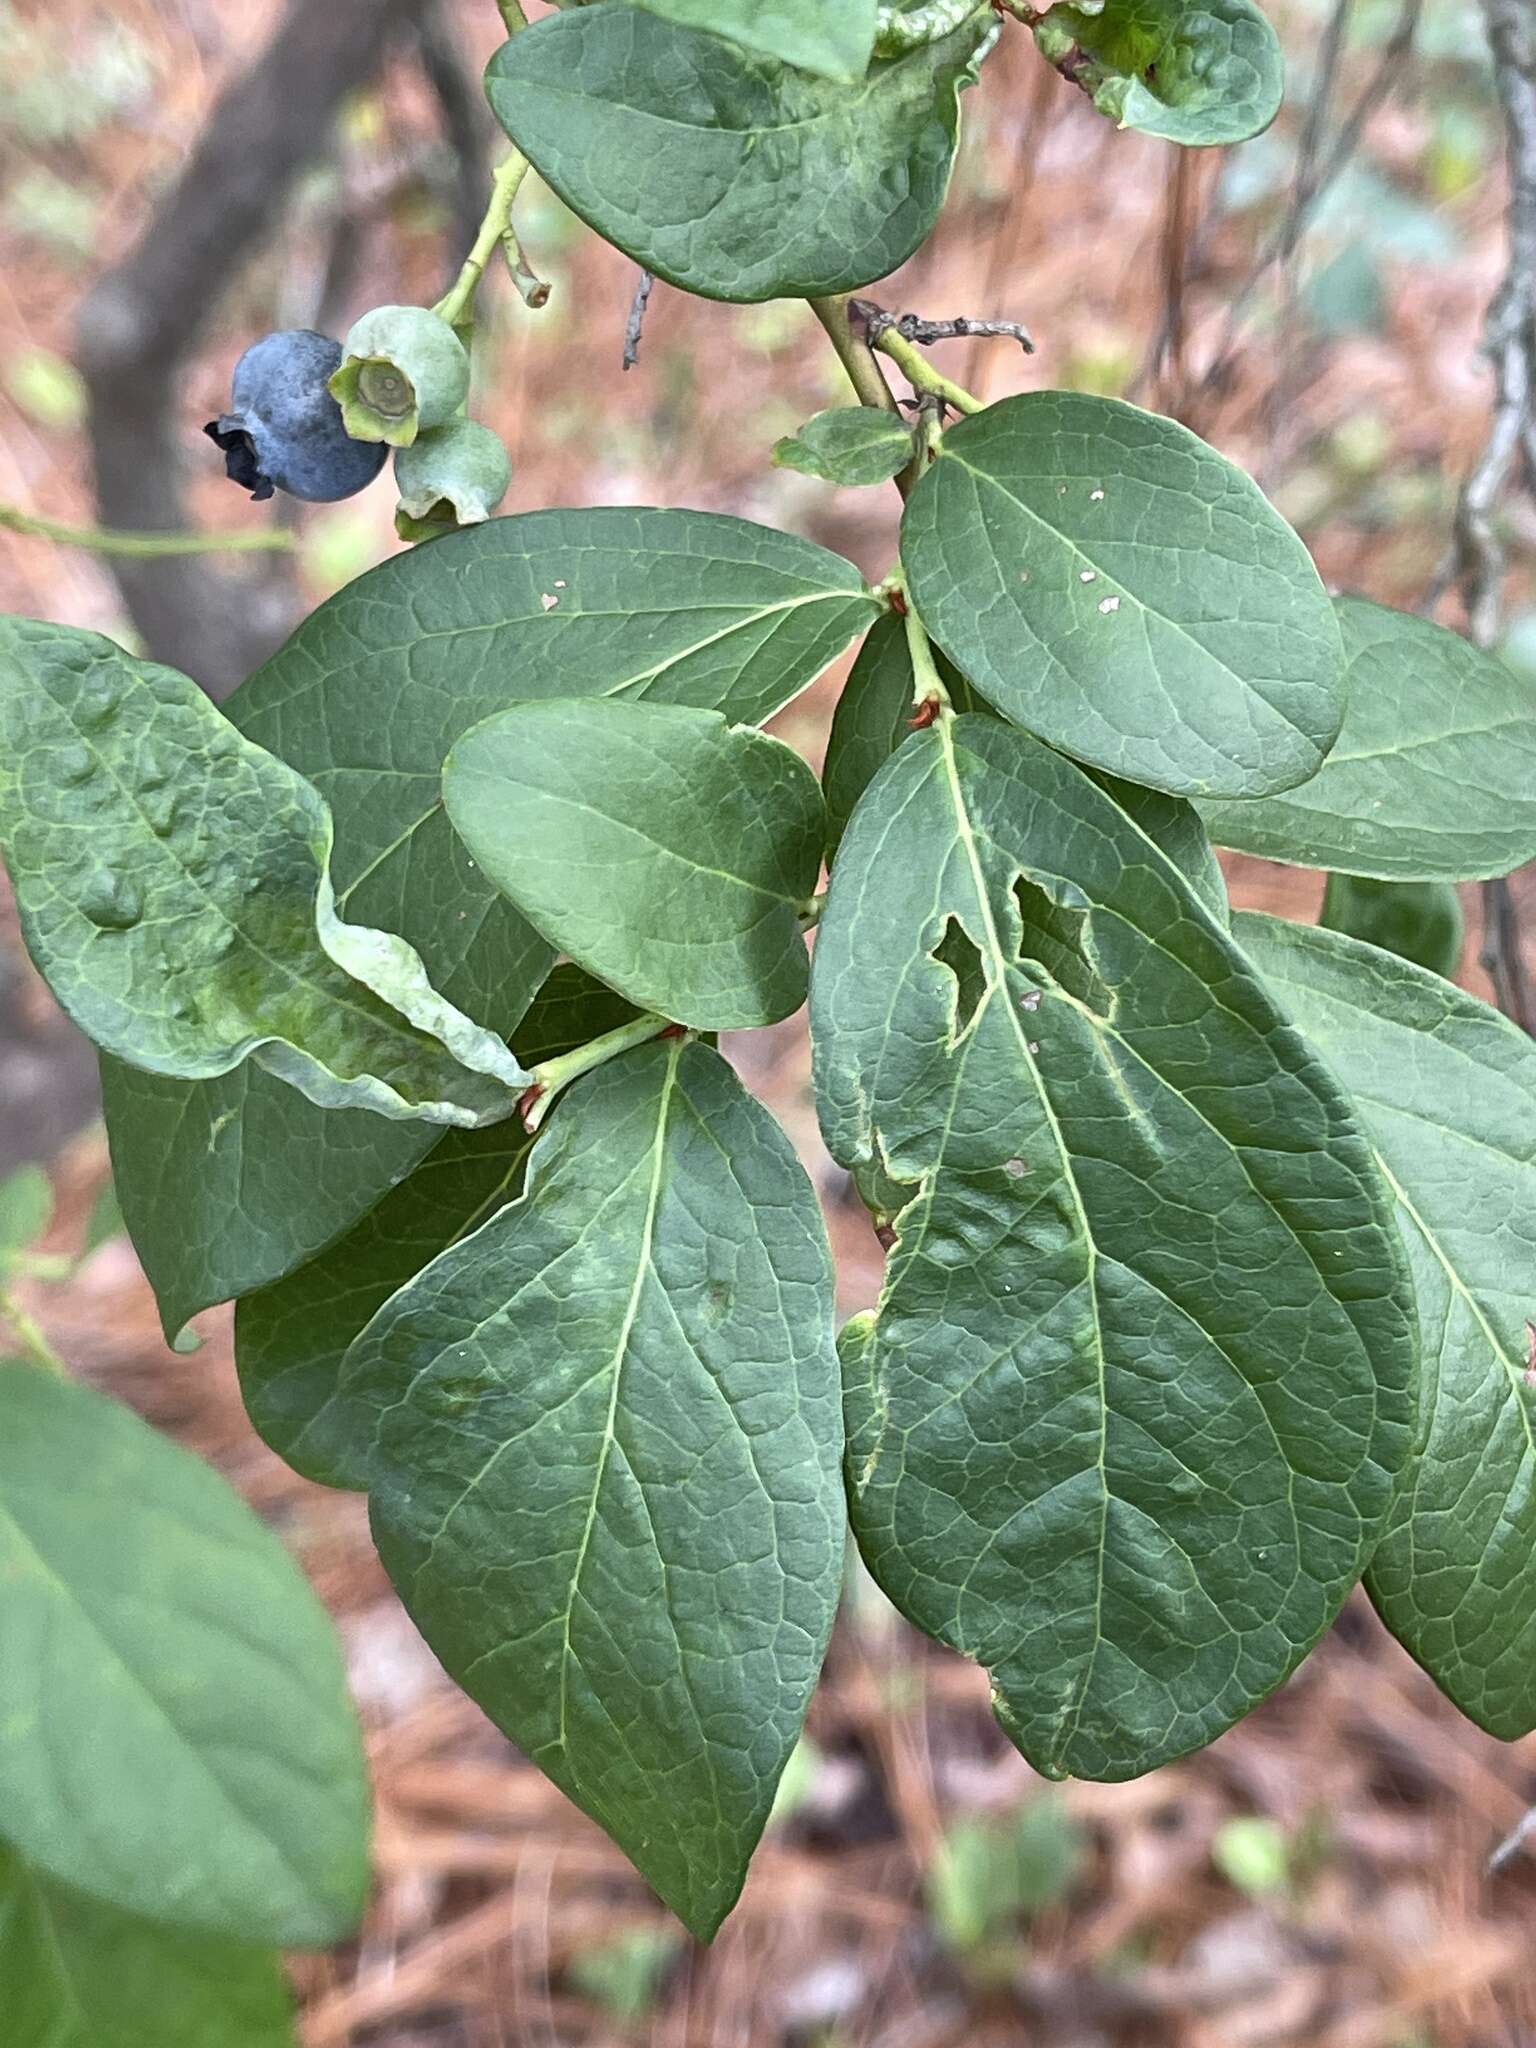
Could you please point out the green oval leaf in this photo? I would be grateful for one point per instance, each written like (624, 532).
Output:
(850, 444)
(1433, 778)
(1419, 921)
(290, 1338)
(728, 175)
(79, 1975)
(1446, 1089)
(227, 1185)
(618, 1399)
(173, 886)
(1129, 1419)
(667, 852)
(175, 1733)
(1113, 584)
(1192, 71)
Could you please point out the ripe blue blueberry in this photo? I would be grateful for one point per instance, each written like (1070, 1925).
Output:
(284, 431)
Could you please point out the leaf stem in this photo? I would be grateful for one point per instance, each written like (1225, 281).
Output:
(921, 374)
(929, 689)
(458, 301)
(853, 352)
(29, 1335)
(550, 1076)
(511, 12)
(103, 540)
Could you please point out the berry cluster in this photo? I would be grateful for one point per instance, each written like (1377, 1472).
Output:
(316, 418)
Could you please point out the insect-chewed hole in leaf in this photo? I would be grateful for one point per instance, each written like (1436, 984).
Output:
(1054, 935)
(957, 952)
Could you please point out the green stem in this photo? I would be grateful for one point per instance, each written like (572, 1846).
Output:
(512, 14)
(28, 1335)
(921, 374)
(550, 1076)
(459, 299)
(929, 684)
(104, 541)
(853, 352)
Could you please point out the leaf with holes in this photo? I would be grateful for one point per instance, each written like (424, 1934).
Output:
(1199, 72)
(605, 1469)
(175, 1734)
(79, 1974)
(1446, 1089)
(728, 175)
(1128, 1419)
(228, 1185)
(173, 886)
(1433, 778)
(669, 853)
(1109, 582)
(291, 1338)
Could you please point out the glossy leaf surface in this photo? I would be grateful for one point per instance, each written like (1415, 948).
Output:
(667, 852)
(1109, 582)
(734, 177)
(1128, 1421)
(173, 885)
(1446, 1088)
(228, 1185)
(605, 1479)
(1434, 774)
(291, 1338)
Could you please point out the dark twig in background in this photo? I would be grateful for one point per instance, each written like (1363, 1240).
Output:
(1475, 564)
(1307, 192)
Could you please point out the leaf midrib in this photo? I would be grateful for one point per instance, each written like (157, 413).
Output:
(1000, 987)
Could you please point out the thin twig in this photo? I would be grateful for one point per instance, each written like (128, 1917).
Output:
(634, 326)
(102, 540)
(1282, 244)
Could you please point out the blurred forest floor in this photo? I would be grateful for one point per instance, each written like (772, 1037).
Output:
(1319, 1876)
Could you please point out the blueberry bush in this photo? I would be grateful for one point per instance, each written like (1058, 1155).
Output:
(1211, 1239)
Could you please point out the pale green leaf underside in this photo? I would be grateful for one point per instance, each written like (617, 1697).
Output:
(1191, 71)
(1434, 774)
(605, 1467)
(173, 886)
(76, 1974)
(834, 40)
(1129, 1421)
(850, 444)
(175, 1733)
(228, 1185)
(726, 174)
(290, 1338)
(1446, 1088)
(666, 851)
(1108, 581)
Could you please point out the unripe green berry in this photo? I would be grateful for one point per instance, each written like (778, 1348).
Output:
(403, 372)
(453, 477)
